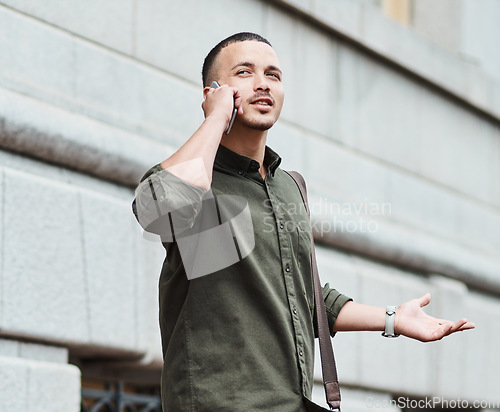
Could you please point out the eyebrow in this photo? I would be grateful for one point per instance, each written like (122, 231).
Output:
(251, 65)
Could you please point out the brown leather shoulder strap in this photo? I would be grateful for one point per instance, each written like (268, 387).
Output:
(328, 367)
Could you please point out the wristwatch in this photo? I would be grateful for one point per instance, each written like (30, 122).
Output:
(390, 314)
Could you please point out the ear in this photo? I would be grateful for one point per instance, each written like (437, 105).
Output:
(205, 91)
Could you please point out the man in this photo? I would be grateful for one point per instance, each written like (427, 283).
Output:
(238, 335)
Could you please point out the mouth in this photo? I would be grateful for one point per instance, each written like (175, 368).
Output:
(266, 101)
(263, 103)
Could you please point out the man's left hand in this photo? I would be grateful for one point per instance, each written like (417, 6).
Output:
(413, 322)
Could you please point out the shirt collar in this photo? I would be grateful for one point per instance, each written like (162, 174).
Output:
(230, 160)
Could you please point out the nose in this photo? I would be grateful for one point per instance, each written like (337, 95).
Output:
(261, 82)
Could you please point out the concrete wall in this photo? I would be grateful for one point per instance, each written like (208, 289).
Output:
(94, 93)
(467, 27)
(37, 378)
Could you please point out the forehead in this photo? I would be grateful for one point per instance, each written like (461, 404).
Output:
(258, 53)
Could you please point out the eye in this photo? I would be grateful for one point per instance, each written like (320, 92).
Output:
(244, 71)
(276, 75)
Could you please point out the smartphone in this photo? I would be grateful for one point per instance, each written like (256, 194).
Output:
(214, 85)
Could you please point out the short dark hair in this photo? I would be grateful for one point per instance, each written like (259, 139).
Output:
(208, 64)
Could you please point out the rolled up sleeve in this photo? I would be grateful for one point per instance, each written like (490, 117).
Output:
(334, 301)
(165, 204)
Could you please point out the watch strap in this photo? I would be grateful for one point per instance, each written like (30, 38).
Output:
(390, 315)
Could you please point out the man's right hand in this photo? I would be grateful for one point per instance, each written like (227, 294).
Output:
(193, 162)
(219, 103)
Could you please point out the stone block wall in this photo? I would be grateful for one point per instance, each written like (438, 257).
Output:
(391, 130)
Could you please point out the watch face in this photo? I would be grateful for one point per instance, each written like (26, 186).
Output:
(391, 310)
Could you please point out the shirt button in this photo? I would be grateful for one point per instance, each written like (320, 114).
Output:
(294, 310)
(282, 225)
(301, 353)
(287, 269)
(240, 172)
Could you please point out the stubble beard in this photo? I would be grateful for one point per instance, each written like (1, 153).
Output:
(258, 124)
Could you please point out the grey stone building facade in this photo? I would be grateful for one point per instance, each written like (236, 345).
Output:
(392, 114)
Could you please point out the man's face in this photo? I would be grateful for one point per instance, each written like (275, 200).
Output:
(253, 68)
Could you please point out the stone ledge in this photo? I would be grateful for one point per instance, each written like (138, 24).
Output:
(33, 351)
(414, 250)
(75, 141)
(34, 386)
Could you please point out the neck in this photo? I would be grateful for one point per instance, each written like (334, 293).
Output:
(249, 143)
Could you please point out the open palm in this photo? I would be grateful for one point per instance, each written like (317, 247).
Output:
(413, 322)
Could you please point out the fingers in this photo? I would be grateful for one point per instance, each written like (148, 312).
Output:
(468, 325)
(424, 300)
(237, 102)
(448, 329)
(221, 100)
(465, 324)
(460, 325)
(453, 327)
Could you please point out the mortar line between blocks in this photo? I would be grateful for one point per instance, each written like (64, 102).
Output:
(84, 265)
(2, 244)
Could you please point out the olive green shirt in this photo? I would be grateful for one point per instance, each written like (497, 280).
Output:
(240, 337)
